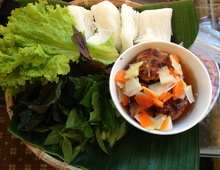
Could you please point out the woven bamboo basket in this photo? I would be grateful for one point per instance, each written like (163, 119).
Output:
(41, 154)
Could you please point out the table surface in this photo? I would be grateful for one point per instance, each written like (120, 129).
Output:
(209, 127)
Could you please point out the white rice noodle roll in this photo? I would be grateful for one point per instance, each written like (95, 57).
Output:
(100, 37)
(108, 21)
(155, 25)
(84, 20)
(129, 30)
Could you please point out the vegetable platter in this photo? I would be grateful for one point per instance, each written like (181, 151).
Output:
(61, 111)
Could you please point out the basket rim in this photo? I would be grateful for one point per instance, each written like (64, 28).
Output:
(117, 3)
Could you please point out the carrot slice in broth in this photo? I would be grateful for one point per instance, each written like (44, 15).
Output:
(145, 119)
(119, 77)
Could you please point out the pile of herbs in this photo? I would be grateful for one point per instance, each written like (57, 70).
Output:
(73, 112)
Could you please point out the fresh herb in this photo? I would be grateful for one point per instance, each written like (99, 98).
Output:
(67, 149)
(71, 126)
(54, 137)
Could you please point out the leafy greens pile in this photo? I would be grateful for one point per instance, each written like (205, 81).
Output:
(37, 46)
(73, 112)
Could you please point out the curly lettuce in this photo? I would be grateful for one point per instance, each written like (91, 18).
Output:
(36, 45)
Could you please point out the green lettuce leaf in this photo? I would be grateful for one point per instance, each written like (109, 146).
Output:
(36, 45)
(105, 52)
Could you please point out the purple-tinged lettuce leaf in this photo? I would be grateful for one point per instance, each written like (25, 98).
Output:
(79, 39)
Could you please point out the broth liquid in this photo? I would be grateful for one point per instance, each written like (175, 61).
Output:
(189, 80)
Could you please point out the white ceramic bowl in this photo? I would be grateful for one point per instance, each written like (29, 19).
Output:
(204, 86)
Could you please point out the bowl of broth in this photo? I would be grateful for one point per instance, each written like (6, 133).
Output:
(160, 87)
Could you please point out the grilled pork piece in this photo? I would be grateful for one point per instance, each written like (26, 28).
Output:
(174, 108)
(152, 60)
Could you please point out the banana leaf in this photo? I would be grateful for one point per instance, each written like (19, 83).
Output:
(137, 150)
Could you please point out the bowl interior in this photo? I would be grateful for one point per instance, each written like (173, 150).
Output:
(204, 87)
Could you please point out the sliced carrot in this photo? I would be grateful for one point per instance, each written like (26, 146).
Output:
(150, 93)
(143, 101)
(172, 72)
(176, 57)
(158, 103)
(165, 96)
(144, 118)
(119, 77)
(125, 100)
(178, 90)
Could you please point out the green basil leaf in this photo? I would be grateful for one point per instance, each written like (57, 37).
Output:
(73, 135)
(77, 149)
(118, 133)
(67, 149)
(112, 139)
(75, 120)
(96, 104)
(100, 141)
(86, 101)
(122, 130)
(54, 137)
(108, 116)
(82, 85)
(88, 131)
